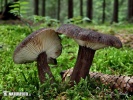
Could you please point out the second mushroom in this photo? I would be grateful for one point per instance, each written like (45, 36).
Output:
(89, 41)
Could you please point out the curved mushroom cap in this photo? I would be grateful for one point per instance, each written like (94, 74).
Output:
(69, 30)
(89, 38)
(43, 40)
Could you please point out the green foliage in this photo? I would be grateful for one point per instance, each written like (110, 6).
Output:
(77, 20)
(26, 8)
(20, 8)
(45, 21)
(24, 77)
(107, 57)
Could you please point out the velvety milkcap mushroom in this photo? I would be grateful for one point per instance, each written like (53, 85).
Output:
(43, 46)
(89, 41)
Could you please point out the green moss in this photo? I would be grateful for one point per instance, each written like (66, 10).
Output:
(24, 78)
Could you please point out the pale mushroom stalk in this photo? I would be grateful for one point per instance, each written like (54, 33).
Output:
(43, 67)
(83, 62)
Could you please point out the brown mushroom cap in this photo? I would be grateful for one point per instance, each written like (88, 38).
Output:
(43, 40)
(69, 30)
(89, 38)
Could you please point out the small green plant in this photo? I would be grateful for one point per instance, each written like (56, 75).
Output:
(20, 8)
(77, 20)
(45, 21)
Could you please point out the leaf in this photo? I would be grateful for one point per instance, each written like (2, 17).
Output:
(86, 19)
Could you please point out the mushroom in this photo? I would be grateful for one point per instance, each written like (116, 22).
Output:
(89, 41)
(43, 46)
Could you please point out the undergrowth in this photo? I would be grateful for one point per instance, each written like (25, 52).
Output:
(24, 77)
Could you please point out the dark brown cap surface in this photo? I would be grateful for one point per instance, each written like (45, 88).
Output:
(69, 30)
(89, 38)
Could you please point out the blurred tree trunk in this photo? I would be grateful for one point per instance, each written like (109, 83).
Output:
(43, 7)
(81, 8)
(58, 11)
(104, 14)
(130, 10)
(116, 11)
(1, 2)
(89, 9)
(6, 1)
(70, 8)
(121, 2)
(15, 0)
(36, 7)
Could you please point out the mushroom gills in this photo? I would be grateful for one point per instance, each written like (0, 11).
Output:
(44, 42)
(94, 46)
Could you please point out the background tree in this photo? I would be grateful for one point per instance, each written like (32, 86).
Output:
(81, 8)
(36, 7)
(115, 11)
(1, 4)
(94, 9)
(104, 14)
(130, 10)
(89, 9)
(70, 9)
(43, 7)
(6, 1)
(15, 0)
(58, 10)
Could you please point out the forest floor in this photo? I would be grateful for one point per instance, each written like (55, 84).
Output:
(24, 78)
(126, 39)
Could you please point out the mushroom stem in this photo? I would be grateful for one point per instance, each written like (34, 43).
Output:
(83, 64)
(43, 67)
